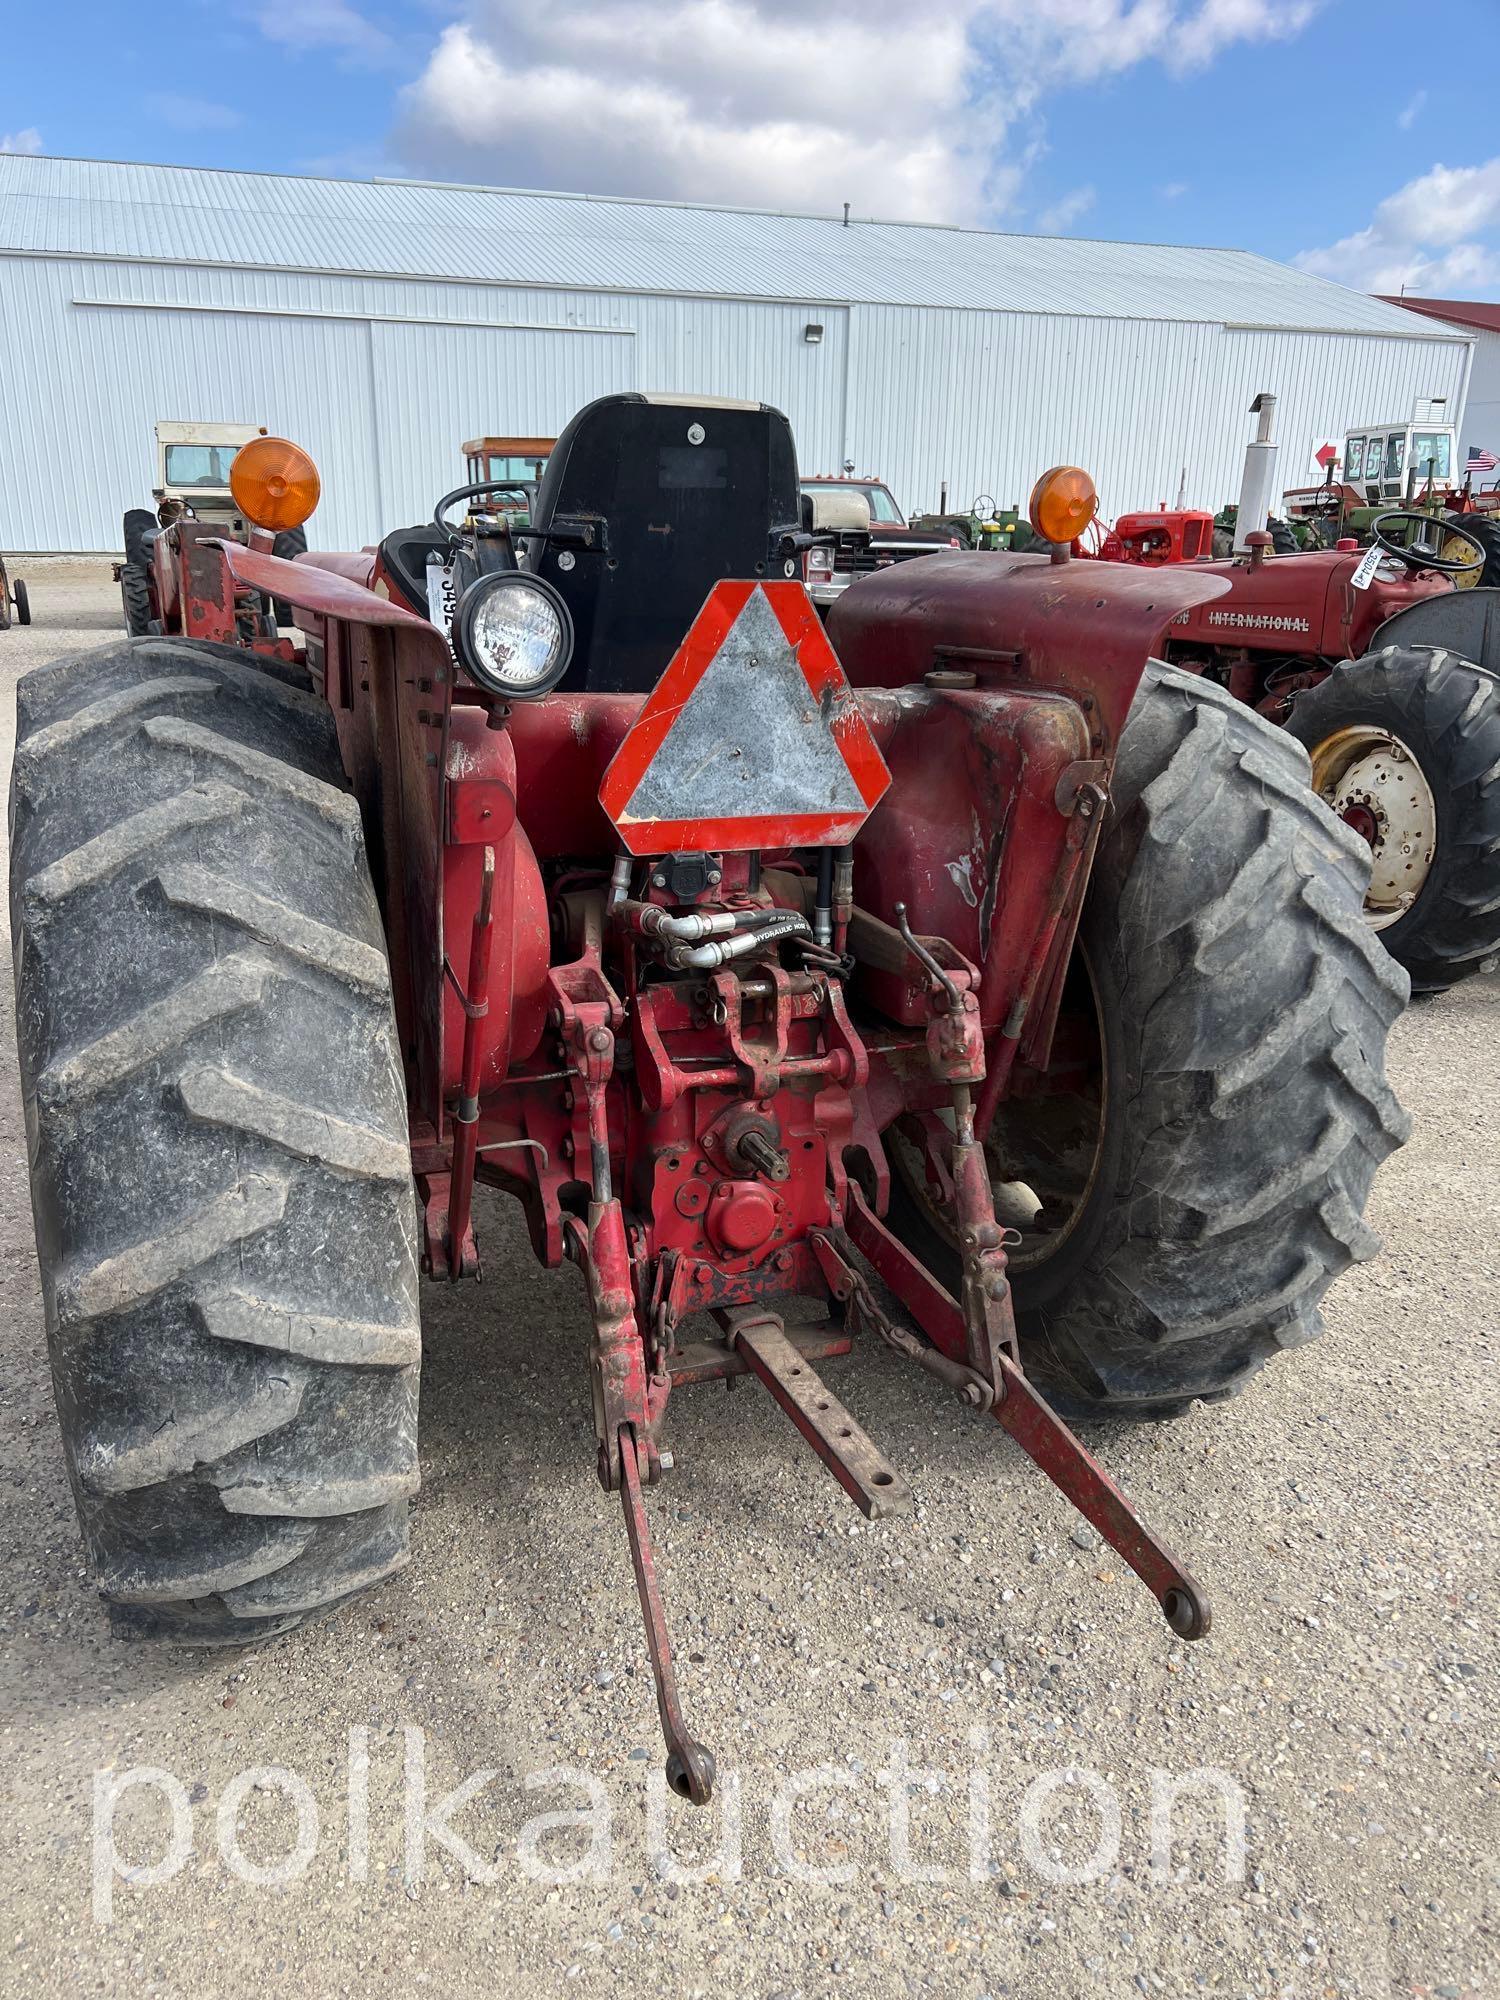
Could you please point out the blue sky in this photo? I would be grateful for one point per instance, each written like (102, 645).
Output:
(1312, 130)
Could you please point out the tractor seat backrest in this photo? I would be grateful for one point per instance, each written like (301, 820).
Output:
(647, 503)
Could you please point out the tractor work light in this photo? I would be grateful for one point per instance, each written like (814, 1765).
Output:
(514, 634)
(1063, 502)
(274, 483)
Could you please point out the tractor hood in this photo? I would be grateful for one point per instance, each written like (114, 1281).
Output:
(1087, 628)
(1301, 605)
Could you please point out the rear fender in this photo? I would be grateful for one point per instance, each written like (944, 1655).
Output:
(1465, 621)
(1085, 629)
(436, 787)
(971, 835)
(323, 591)
(480, 815)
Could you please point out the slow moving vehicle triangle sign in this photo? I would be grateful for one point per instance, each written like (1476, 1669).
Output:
(752, 738)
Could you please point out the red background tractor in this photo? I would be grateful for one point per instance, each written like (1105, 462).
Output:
(1162, 535)
(1386, 674)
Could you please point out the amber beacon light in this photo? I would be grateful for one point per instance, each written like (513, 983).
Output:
(1063, 502)
(275, 483)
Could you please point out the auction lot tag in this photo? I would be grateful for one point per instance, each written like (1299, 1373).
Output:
(1369, 562)
(441, 596)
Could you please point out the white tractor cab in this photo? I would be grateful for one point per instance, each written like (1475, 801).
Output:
(1413, 460)
(192, 466)
(1393, 462)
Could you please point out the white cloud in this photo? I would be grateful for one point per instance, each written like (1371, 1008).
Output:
(1040, 46)
(1173, 190)
(323, 24)
(711, 100)
(1411, 111)
(192, 114)
(1061, 216)
(1439, 234)
(27, 140)
(927, 115)
(1220, 23)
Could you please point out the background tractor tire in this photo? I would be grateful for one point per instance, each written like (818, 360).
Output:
(1484, 529)
(1445, 713)
(216, 1122)
(135, 591)
(1243, 1006)
(1283, 541)
(22, 601)
(291, 542)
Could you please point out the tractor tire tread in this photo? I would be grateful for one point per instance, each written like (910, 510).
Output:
(217, 1123)
(1253, 1016)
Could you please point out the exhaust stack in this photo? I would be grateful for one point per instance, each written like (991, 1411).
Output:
(1258, 487)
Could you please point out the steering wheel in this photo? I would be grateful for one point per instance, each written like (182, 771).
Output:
(1429, 543)
(984, 508)
(439, 513)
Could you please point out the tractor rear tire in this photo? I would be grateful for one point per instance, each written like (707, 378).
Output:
(135, 588)
(1243, 1007)
(216, 1122)
(1484, 529)
(1445, 713)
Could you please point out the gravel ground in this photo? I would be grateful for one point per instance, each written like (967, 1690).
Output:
(1341, 1515)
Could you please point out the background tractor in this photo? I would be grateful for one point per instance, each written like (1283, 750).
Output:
(999, 994)
(1411, 465)
(13, 599)
(507, 470)
(193, 498)
(1387, 675)
(1385, 663)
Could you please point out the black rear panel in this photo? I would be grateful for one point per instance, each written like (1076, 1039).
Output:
(673, 497)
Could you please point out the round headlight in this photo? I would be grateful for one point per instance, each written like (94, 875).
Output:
(514, 634)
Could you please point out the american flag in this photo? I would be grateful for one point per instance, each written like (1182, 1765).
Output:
(1480, 461)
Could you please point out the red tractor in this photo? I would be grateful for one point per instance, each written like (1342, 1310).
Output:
(1387, 675)
(1162, 535)
(999, 993)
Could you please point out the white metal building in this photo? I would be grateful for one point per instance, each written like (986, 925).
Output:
(382, 323)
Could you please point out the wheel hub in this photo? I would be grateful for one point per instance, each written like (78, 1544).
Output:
(1366, 819)
(1375, 785)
